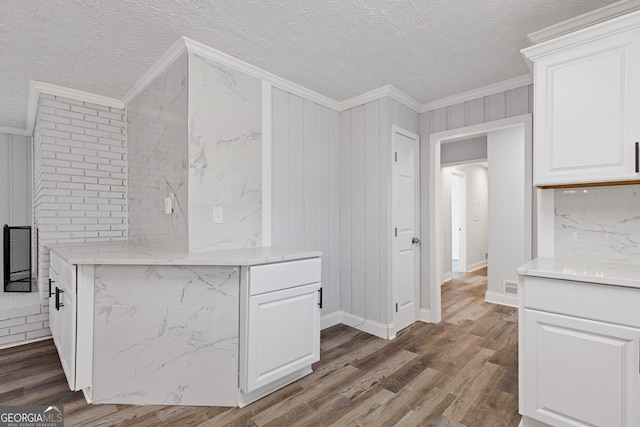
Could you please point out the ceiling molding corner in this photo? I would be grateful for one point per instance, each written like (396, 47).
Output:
(240, 65)
(156, 69)
(15, 131)
(481, 92)
(582, 21)
(382, 92)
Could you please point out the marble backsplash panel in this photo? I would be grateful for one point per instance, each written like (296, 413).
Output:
(598, 223)
(225, 152)
(158, 165)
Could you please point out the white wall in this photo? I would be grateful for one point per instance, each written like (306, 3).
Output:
(507, 231)
(305, 187)
(476, 223)
(15, 183)
(365, 206)
(498, 106)
(80, 175)
(225, 156)
(456, 152)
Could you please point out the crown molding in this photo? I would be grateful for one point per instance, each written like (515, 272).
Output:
(481, 92)
(36, 88)
(628, 21)
(385, 91)
(233, 62)
(584, 20)
(15, 131)
(169, 57)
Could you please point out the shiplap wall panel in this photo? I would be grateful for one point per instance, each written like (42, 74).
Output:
(322, 231)
(384, 221)
(310, 150)
(456, 116)
(495, 107)
(334, 211)
(296, 153)
(281, 170)
(357, 212)
(345, 211)
(306, 185)
(474, 111)
(518, 101)
(371, 208)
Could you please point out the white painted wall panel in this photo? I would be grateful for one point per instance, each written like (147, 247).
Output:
(371, 210)
(15, 182)
(296, 156)
(281, 170)
(306, 185)
(345, 211)
(357, 211)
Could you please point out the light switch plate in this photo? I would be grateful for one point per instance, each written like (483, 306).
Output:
(218, 215)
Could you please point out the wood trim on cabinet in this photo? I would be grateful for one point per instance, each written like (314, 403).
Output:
(589, 184)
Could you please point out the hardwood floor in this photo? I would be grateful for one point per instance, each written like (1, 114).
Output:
(461, 372)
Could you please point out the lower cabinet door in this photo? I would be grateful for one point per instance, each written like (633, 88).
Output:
(580, 372)
(62, 322)
(283, 334)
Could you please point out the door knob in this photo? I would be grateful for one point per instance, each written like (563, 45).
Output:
(415, 241)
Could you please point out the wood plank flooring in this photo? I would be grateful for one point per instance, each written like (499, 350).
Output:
(461, 372)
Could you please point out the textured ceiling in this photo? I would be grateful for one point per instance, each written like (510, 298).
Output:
(429, 49)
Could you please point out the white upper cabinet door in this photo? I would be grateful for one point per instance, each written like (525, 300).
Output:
(587, 107)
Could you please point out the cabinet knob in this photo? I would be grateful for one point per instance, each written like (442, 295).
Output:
(637, 157)
(50, 282)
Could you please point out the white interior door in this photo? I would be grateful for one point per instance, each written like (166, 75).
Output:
(405, 218)
(457, 222)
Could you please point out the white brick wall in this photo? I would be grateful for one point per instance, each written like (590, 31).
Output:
(80, 175)
(25, 323)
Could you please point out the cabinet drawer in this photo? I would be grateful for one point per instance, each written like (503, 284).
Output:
(64, 271)
(605, 303)
(283, 275)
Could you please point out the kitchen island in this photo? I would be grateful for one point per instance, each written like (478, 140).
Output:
(140, 325)
(579, 343)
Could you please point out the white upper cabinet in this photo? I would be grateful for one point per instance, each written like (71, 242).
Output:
(587, 104)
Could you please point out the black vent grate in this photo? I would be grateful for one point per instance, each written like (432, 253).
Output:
(17, 259)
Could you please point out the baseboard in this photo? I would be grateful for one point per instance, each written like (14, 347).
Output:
(367, 325)
(502, 299)
(425, 315)
(330, 320)
(446, 277)
(476, 266)
(530, 422)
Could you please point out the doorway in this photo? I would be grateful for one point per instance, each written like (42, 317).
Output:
(518, 248)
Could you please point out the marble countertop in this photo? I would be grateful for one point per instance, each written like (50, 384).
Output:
(606, 273)
(127, 253)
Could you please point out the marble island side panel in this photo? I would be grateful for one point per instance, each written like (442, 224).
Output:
(166, 335)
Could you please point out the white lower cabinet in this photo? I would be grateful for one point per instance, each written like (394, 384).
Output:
(581, 372)
(280, 326)
(73, 339)
(577, 371)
